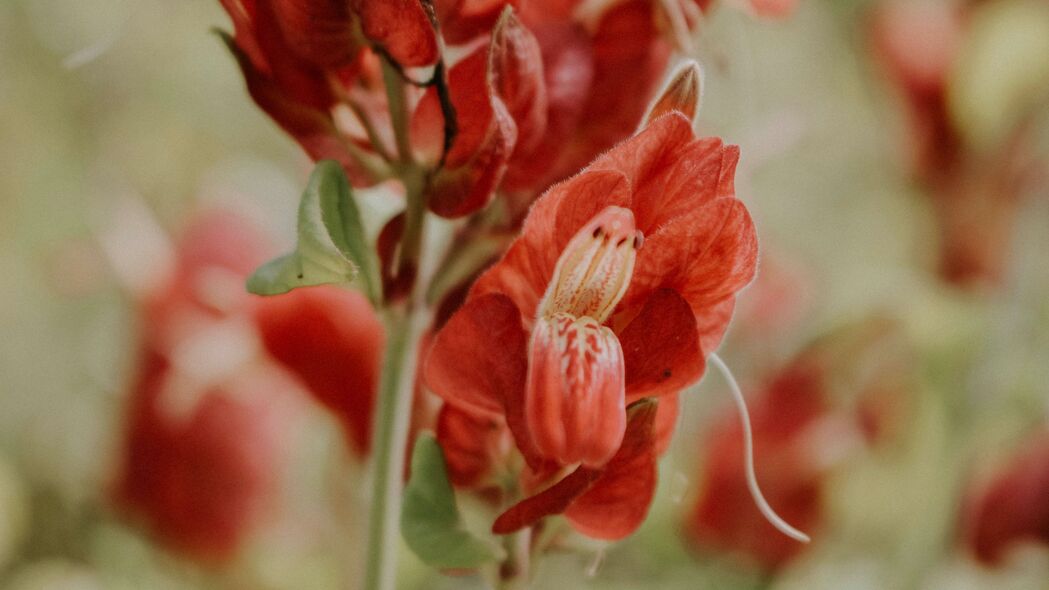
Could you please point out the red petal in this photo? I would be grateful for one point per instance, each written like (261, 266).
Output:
(332, 339)
(553, 500)
(463, 20)
(620, 494)
(402, 28)
(630, 57)
(473, 446)
(567, 74)
(313, 128)
(706, 256)
(574, 399)
(319, 32)
(526, 269)
(661, 347)
(201, 483)
(242, 13)
(485, 138)
(617, 503)
(517, 70)
(1012, 509)
(478, 357)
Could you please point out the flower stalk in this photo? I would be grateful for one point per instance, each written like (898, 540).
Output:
(390, 445)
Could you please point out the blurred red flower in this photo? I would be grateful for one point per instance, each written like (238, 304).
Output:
(210, 411)
(1012, 508)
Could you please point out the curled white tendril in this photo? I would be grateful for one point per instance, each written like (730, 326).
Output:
(748, 457)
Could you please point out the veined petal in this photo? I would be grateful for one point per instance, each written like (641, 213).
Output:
(574, 400)
(594, 270)
(478, 357)
(706, 256)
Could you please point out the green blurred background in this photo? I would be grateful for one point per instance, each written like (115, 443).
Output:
(110, 101)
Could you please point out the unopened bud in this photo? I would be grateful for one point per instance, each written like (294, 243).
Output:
(682, 94)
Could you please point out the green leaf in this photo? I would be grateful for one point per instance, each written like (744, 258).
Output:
(430, 521)
(331, 245)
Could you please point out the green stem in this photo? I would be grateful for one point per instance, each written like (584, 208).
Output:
(390, 446)
(397, 101)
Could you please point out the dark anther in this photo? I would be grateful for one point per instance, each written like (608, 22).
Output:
(620, 242)
(597, 231)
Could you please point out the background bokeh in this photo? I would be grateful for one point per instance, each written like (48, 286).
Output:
(111, 106)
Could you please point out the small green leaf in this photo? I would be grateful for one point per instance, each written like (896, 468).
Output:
(331, 244)
(430, 521)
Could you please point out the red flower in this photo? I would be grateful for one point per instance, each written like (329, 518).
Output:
(206, 423)
(1012, 508)
(202, 482)
(784, 419)
(209, 411)
(332, 340)
(582, 318)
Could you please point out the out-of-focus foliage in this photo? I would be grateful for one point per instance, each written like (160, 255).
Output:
(113, 100)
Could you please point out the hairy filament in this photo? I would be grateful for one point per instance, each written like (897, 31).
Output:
(748, 457)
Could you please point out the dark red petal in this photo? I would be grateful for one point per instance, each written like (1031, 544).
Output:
(242, 13)
(319, 32)
(455, 192)
(661, 347)
(396, 283)
(299, 80)
(626, 483)
(567, 74)
(526, 269)
(617, 503)
(313, 128)
(332, 340)
(473, 446)
(402, 28)
(517, 74)
(479, 357)
(485, 138)
(463, 20)
(630, 57)
(553, 500)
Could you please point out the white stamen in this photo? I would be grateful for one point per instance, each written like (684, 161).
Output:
(748, 457)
